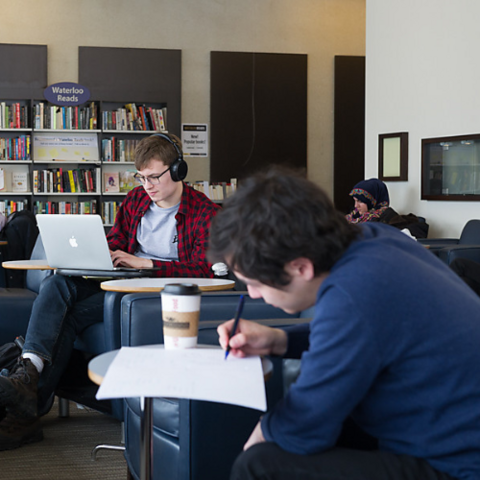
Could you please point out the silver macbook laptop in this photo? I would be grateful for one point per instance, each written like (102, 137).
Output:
(76, 242)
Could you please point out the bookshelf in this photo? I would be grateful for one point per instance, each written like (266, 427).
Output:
(23, 77)
(34, 132)
(216, 191)
(65, 164)
(118, 77)
(15, 163)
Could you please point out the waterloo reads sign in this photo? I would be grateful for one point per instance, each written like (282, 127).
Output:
(66, 94)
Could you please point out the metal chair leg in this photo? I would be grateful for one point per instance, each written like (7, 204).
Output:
(103, 446)
(63, 408)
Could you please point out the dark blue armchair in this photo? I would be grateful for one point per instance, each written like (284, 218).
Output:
(448, 249)
(194, 440)
(16, 303)
(16, 306)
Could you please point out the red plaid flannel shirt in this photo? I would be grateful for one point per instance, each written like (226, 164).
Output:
(193, 221)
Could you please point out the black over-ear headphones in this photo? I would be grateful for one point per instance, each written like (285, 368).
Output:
(179, 168)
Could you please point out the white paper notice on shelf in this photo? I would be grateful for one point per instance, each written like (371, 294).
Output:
(196, 373)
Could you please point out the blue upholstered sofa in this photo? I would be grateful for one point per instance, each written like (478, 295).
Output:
(16, 305)
(194, 440)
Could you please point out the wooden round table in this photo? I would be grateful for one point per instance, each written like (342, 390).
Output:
(138, 285)
(27, 265)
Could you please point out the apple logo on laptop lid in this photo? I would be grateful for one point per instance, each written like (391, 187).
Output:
(73, 242)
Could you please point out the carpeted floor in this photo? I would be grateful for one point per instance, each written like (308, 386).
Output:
(65, 452)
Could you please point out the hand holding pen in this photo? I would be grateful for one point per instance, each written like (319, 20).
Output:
(252, 338)
(238, 314)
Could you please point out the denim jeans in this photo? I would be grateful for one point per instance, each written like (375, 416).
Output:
(65, 306)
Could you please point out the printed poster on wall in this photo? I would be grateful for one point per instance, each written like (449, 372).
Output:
(195, 139)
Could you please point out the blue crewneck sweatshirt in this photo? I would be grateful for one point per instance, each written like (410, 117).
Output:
(395, 343)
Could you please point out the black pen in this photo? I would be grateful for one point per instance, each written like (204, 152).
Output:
(238, 314)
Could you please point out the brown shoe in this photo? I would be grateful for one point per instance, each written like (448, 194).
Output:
(16, 431)
(18, 391)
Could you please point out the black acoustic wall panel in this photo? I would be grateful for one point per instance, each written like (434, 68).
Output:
(258, 112)
(349, 128)
(23, 72)
(140, 75)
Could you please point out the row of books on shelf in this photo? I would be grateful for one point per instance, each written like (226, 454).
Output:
(9, 206)
(216, 190)
(58, 180)
(17, 148)
(119, 182)
(118, 150)
(65, 118)
(14, 115)
(133, 117)
(109, 212)
(67, 208)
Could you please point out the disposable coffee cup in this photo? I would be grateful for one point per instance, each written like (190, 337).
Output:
(180, 314)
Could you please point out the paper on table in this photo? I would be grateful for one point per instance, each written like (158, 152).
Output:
(197, 373)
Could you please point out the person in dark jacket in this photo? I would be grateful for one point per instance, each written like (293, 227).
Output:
(405, 372)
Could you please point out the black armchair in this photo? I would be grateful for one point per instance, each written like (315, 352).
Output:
(449, 254)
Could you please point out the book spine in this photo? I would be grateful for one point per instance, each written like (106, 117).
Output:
(71, 180)
(17, 115)
(161, 120)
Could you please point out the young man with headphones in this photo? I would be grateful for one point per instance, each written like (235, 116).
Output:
(163, 224)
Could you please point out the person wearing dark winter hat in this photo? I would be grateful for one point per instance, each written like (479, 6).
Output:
(371, 200)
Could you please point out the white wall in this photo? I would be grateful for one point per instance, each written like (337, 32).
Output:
(319, 28)
(423, 77)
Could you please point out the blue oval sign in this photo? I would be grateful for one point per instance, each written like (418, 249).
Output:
(66, 94)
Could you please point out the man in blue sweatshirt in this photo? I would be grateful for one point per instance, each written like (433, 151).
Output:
(394, 344)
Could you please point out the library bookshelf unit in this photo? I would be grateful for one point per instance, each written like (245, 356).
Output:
(65, 164)
(15, 162)
(123, 126)
(43, 176)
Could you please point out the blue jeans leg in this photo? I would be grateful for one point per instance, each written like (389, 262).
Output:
(64, 307)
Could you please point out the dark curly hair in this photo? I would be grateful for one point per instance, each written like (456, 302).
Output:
(275, 217)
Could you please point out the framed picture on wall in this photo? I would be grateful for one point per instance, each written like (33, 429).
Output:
(393, 157)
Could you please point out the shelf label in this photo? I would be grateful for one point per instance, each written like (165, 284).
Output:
(195, 139)
(66, 94)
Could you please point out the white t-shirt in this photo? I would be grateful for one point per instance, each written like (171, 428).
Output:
(157, 234)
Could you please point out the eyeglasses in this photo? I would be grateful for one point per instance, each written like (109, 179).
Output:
(151, 179)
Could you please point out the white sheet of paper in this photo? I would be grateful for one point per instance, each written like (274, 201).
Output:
(197, 373)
